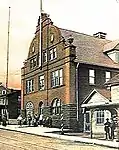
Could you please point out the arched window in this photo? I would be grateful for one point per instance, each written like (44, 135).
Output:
(29, 108)
(56, 106)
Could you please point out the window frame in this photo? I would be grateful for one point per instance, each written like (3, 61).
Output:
(29, 86)
(107, 78)
(57, 78)
(91, 77)
(33, 62)
(53, 53)
(41, 81)
(100, 117)
(56, 107)
(44, 56)
(3, 92)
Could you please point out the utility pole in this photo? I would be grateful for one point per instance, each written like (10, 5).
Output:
(6, 101)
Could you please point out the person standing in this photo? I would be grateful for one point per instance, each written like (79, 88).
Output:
(4, 120)
(19, 119)
(41, 119)
(107, 128)
(112, 126)
(29, 120)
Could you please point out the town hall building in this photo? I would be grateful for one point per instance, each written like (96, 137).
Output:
(72, 65)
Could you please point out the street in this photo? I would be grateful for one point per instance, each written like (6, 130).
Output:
(10, 140)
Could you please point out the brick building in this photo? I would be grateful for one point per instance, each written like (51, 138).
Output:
(72, 65)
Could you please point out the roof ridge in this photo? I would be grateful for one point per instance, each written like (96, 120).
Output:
(84, 34)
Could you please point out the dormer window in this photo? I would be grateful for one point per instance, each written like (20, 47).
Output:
(114, 55)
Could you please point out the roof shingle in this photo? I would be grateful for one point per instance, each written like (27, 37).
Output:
(89, 50)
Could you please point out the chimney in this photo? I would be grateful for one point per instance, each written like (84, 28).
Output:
(100, 35)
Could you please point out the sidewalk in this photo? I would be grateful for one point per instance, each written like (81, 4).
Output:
(54, 133)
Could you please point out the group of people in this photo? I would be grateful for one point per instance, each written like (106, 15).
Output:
(35, 120)
(109, 128)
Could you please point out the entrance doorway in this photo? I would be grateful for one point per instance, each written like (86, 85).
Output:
(87, 121)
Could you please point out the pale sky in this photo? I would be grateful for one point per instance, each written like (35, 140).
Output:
(85, 16)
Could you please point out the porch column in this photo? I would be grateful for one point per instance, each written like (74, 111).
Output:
(91, 122)
(118, 124)
(84, 129)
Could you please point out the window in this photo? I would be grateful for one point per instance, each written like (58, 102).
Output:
(53, 54)
(56, 78)
(91, 76)
(33, 63)
(107, 75)
(41, 82)
(44, 56)
(56, 106)
(51, 38)
(29, 86)
(100, 116)
(33, 49)
(3, 92)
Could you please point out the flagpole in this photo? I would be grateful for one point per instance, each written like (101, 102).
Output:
(6, 101)
(40, 43)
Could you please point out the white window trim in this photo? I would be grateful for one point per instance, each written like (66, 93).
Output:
(56, 107)
(29, 86)
(3, 92)
(91, 76)
(42, 82)
(57, 78)
(53, 53)
(102, 122)
(107, 75)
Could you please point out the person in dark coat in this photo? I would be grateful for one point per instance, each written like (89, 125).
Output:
(112, 126)
(107, 128)
(4, 120)
(29, 119)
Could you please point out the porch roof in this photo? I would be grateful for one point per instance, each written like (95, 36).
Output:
(101, 104)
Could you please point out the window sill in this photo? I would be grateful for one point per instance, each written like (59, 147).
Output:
(58, 86)
(53, 59)
(101, 124)
(92, 84)
(41, 90)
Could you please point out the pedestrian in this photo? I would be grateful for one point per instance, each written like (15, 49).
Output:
(4, 120)
(29, 119)
(50, 122)
(19, 119)
(41, 119)
(112, 127)
(35, 120)
(107, 128)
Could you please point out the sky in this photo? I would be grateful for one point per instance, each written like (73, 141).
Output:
(84, 16)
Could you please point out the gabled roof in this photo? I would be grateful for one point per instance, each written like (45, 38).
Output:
(103, 99)
(89, 50)
(103, 92)
(113, 81)
(111, 45)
